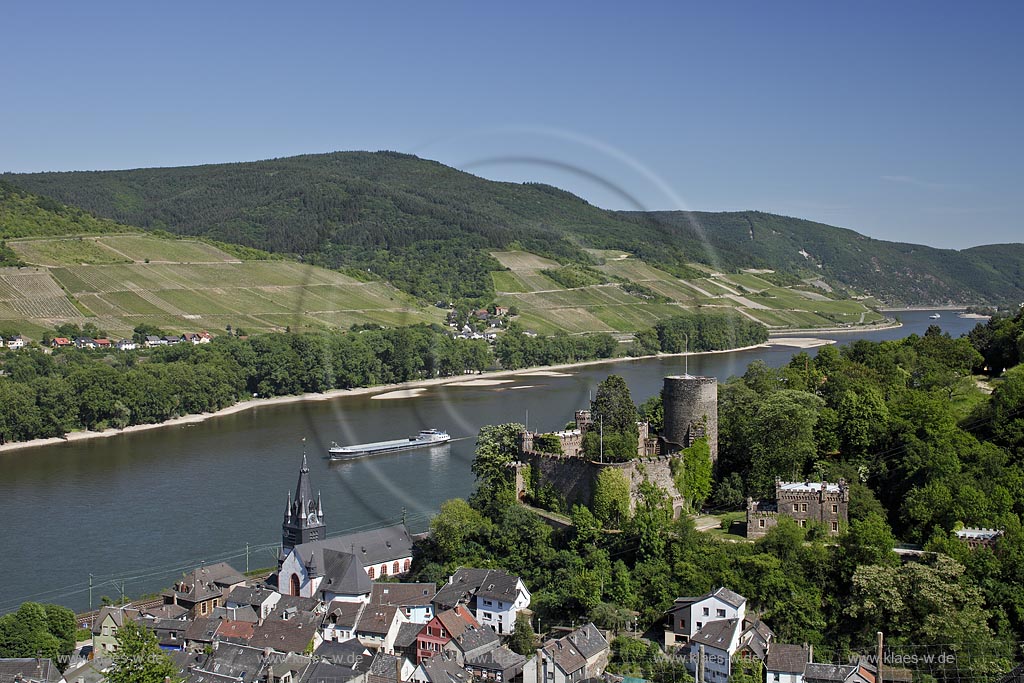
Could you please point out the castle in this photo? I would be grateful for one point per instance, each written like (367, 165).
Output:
(691, 413)
(804, 502)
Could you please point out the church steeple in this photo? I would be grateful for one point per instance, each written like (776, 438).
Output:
(304, 516)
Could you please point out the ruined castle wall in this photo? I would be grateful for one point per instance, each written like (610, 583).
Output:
(574, 478)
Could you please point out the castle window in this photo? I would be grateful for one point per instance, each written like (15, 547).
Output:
(760, 523)
(835, 509)
(835, 527)
(803, 507)
(796, 507)
(803, 522)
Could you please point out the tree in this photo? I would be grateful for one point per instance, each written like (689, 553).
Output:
(692, 473)
(497, 446)
(610, 501)
(455, 524)
(613, 405)
(138, 658)
(37, 630)
(523, 640)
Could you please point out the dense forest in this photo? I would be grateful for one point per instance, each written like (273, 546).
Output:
(925, 451)
(427, 227)
(44, 395)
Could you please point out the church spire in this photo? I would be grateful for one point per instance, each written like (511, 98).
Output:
(304, 517)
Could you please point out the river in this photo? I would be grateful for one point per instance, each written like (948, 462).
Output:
(142, 508)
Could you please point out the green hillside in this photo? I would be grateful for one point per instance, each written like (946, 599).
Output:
(429, 229)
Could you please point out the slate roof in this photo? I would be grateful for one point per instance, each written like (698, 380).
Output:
(325, 672)
(344, 614)
(403, 594)
(784, 658)
(728, 597)
(30, 668)
(588, 639)
(477, 640)
(499, 659)
(344, 574)
(228, 662)
(717, 634)
(202, 630)
(384, 669)
(407, 633)
(204, 583)
(291, 635)
(350, 655)
(565, 656)
(89, 671)
(243, 613)
(828, 672)
(297, 603)
(376, 620)
(492, 584)
(249, 595)
(440, 669)
(371, 547)
(165, 612)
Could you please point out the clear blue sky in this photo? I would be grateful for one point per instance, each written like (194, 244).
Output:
(901, 120)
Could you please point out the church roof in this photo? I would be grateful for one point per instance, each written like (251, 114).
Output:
(371, 547)
(343, 574)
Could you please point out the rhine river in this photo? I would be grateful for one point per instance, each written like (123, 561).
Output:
(142, 508)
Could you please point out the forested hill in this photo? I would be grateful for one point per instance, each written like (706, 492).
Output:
(895, 272)
(427, 227)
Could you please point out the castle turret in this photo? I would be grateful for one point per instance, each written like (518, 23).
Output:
(691, 411)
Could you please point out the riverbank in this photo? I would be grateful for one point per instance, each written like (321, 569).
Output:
(404, 390)
(887, 324)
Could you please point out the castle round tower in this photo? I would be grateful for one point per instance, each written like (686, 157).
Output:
(691, 411)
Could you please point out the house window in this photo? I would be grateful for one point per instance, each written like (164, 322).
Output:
(202, 608)
(700, 625)
(682, 623)
(720, 613)
(370, 572)
(706, 611)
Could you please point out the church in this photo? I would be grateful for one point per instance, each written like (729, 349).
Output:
(340, 568)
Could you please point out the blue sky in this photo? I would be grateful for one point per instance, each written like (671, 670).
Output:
(898, 120)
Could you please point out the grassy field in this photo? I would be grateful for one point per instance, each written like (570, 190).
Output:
(546, 306)
(119, 281)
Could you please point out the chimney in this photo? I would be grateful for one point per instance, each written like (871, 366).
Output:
(810, 654)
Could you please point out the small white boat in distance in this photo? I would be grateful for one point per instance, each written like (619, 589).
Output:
(935, 316)
(427, 437)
